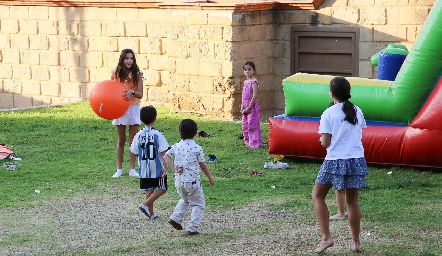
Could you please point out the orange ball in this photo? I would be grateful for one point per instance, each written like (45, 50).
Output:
(107, 100)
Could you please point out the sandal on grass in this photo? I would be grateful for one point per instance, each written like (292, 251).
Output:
(337, 217)
(203, 134)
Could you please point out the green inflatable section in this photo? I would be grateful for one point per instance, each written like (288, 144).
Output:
(398, 103)
(313, 98)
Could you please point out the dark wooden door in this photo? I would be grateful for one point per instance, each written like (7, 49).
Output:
(327, 51)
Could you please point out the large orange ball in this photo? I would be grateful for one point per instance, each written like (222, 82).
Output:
(107, 100)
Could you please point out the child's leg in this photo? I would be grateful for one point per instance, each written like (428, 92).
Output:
(143, 207)
(133, 129)
(198, 203)
(121, 140)
(183, 204)
(245, 129)
(318, 197)
(340, 201)
(179, 211)
(255, 138)
(154, 196)
(354, 217)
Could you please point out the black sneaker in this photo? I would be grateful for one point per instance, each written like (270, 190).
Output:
(194, 233)
(175, 225)
(143, 210)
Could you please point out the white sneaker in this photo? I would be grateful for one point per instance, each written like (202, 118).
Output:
(153, 216)
(133, 173)
(117, 174)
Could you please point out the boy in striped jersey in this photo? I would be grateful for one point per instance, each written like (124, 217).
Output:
(150, 145)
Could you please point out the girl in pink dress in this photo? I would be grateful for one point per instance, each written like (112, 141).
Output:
(250, 108)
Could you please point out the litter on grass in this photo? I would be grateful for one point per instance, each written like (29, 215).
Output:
(277, 158)
(277, 165)
(211, 159)
(11, 166)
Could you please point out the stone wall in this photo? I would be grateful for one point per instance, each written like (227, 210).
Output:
(191, 59)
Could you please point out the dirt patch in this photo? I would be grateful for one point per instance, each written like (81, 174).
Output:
(111, 225)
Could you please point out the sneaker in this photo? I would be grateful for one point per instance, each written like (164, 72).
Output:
(175, 225)
(144, 210)
(133, 173)
(117, 174)
(192, 233)
(153, 216)
(211, 159)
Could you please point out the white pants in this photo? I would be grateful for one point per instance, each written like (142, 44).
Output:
(191, 194)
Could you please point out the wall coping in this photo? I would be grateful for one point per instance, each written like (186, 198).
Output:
(228, 5)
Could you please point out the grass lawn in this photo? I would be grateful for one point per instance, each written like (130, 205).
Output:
(62, 199)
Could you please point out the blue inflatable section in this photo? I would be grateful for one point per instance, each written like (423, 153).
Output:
(389, 65)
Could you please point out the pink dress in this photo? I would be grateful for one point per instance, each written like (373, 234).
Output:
(251, 122)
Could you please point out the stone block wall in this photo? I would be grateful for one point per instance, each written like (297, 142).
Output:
(191, 59)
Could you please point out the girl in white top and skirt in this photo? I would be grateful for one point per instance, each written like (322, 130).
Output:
(344, 166)
(127, 72)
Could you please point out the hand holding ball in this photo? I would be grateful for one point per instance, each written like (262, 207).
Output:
(106, 100)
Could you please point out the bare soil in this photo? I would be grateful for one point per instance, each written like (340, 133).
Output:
(113, 225)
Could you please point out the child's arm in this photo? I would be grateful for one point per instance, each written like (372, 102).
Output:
(325, 140)
(254, 98)
(168, 161)
(139, 94)
(206, 171)
(164, 173)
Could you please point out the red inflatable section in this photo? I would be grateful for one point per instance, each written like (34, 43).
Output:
(418, 144)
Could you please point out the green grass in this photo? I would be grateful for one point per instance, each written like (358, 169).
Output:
(68, 152)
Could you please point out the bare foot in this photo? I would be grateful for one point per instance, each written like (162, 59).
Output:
(356, 245)
(324, 245)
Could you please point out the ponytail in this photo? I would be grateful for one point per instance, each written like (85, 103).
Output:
(340, 88)
(350, 112)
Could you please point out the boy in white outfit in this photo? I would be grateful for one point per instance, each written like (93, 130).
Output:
(188, 163)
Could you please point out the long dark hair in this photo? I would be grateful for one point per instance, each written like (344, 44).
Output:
(340, 88)
(121, 74)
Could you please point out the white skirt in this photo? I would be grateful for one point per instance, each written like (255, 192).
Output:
(131, 117)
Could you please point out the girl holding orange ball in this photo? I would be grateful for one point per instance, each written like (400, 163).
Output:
(127, 72)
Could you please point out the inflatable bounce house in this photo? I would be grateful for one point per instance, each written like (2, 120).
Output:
(402, 115)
